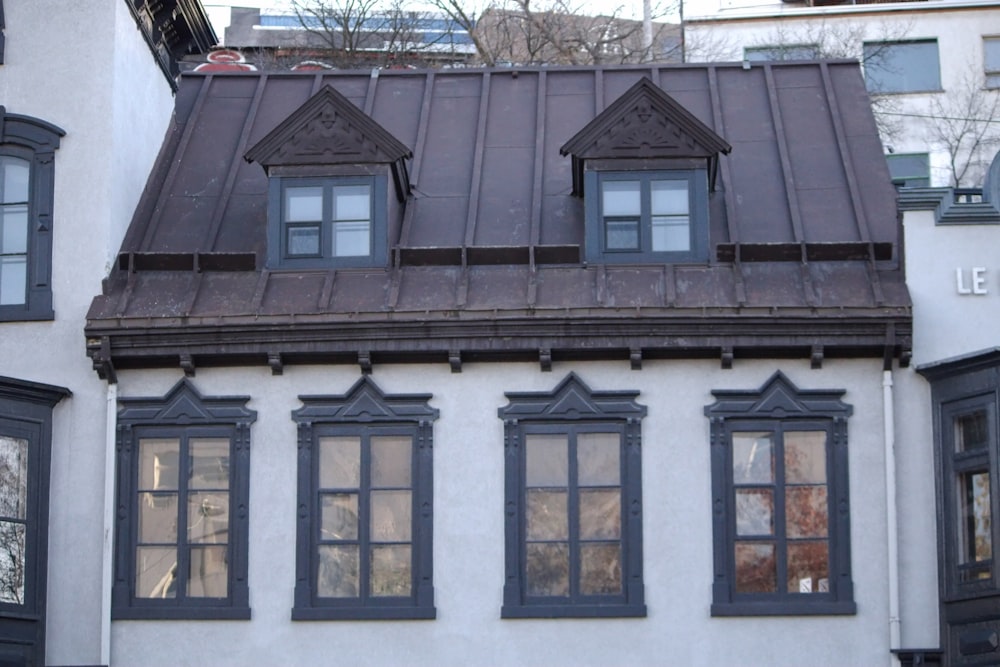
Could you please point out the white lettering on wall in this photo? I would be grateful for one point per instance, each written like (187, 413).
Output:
(972, 281)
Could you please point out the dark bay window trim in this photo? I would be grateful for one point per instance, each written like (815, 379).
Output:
(570, 414)
(183, 420)
(778, 413)
(362, 417)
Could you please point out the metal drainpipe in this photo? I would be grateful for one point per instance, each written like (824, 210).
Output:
(110, 429)
(892, 522)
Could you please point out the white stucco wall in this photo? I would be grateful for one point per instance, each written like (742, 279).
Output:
(84, 67)
(469, 530)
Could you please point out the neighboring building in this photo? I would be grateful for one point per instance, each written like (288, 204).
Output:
(933, 69)
(84, 109)
(522, 366)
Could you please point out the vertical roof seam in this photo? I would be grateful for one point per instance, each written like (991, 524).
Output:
(418, 154)
(472, 214)
(539, 163)
(786, 164)
(370, 97)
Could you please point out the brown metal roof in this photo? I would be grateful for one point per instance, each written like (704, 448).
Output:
(487, 258)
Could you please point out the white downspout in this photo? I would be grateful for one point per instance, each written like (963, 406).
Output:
(892, 522)
(107, 562)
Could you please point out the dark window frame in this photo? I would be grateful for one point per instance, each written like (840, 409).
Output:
(780, 406)
(905, 180)
(698, 205)
(878, 72)
(36, 141)
(182, 413)
(365, 411)
(277, 242)
(572, 407)
(991, 73)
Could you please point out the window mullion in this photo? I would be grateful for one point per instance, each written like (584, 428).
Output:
(365, 520)
(780, 521)
(183, 544)
(573, 512)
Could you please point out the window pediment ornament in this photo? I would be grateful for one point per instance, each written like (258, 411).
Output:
(643, 123)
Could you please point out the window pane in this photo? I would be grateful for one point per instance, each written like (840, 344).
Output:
(340, 463)
(547, 515)
(600, 514)
(13, 280)
(390, 571)
(805, 457)
(14, 230)
(158, 460)
(338, 572)
(971, 432)
(900, 67)
(754, 512)
(208, 518)
(209, 458)
(991, 54)
(600, 569)
(15, 179)
(668, 197)
(303, 204)
(303, 240)
(547, 570)
(756, 568)
(620, 198)
(352, 202)
(597, 459)
(158, 518)
(391, 516)
(909, 169)
(339, 516)
(808, 567)
(974, 518)
(13, 477)
(782, 52)
(671, 234)
(547, 460)
(621, 234)
(351, 239)
(12, 562)
(208, 573)
(806, 511)
(156, 572)
(391, 460)
(753, 461)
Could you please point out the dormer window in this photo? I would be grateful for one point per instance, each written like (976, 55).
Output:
(329, 166)
(644, 167)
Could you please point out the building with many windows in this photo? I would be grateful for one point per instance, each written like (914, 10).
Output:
(931, 66)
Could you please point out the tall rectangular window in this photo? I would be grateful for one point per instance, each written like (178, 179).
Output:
(14, 199)
(991, 61)
(902, 67)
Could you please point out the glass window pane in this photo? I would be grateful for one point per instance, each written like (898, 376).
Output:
(208, 518)
(547, 460)
(621, 234)
(598, 459)
(304, 204)
(805, 457)
(600, 514)
(14, 230)
(671, 234)
(753, 461)
(392, 457)
(754, 512)
(547, 569)
(991, 54)
(391, 516)
(600, 569)
(156, 572)
(909, 169)
(900, 67)
(620, 198)
(338, 516)
(12, 562)
(303, 240)
(351, 239)
(13, 280)
(974, 518)
(158, 518)
(668, 197)
(208, 575)
(971, 431)
(158, 461)
(15, 179)
(338, 572)
(209, 459)
(808, 567)
(340, 463)
(352, 202)
(13, 477)
(756, 568)
(391, 571)
(806, 511)
(782, 52)
(547, 515)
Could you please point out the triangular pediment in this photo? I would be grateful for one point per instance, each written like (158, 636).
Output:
(645, 123)
(327, 130)
(778, 398)
(365, 403)
(572, 399)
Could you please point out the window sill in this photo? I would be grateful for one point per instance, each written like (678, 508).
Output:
(574, 611)
(363, 613)
(181, 614)
(21, 314)
(773, 608)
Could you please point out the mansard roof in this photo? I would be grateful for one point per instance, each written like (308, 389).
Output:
(486, 259)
